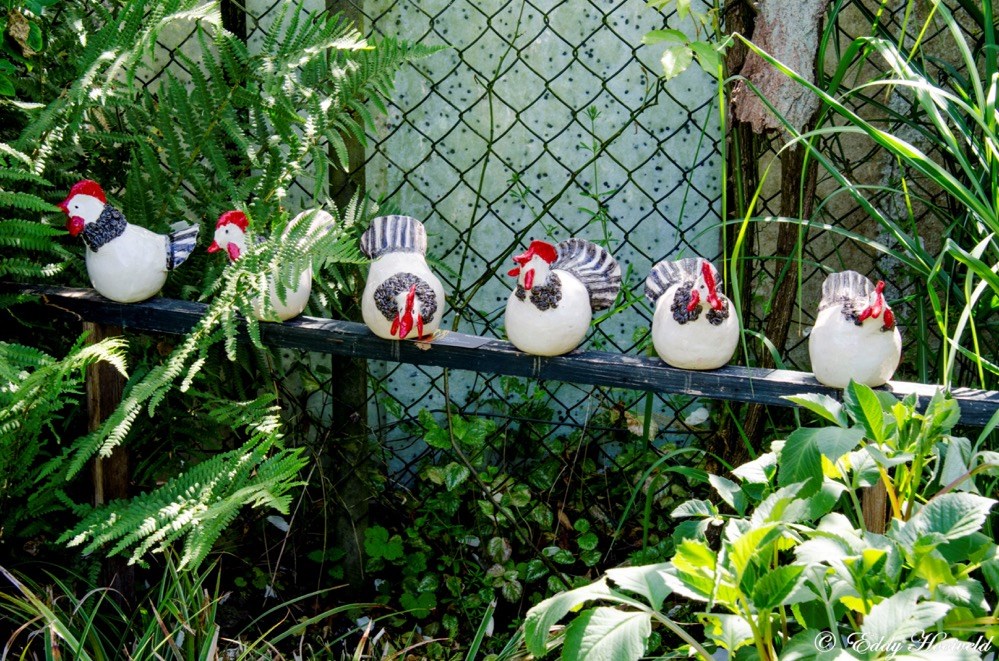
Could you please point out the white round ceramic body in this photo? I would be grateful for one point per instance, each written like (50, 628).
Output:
(697, 344)
(131, 267)
(382, 269)
(295, 299)
(840, 350)
(554, 331)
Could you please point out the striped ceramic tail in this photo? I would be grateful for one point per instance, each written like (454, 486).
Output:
(394, 234)
(594, 266)
(844, 286)
(667, 273)
(180, 245)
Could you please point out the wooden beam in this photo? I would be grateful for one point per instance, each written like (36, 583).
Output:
(489, 355)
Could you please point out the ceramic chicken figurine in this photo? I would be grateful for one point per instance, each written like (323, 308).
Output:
(694, 326)
(126, 263)
(855, 336)
(402, 297)
(558, 288)
(230, 235)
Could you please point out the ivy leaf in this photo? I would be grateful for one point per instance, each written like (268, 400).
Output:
(608, 634)
(499, 549)
(822, 405)
(675, 60)
(454, 474)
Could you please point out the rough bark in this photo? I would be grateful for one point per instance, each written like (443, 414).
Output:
(789, 31)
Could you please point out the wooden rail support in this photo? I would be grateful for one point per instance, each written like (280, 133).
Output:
(489, 355)
(104, 389)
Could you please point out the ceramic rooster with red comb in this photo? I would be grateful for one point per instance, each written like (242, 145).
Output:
(855, 336)
(558, 289)
(126, 263)
(694, 326)
(402, 297)
(230, 236)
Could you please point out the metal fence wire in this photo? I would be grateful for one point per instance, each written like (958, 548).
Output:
(548, 119)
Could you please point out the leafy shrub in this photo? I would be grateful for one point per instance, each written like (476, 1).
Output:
(784, 565)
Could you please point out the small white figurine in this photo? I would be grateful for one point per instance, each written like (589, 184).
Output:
(558, 288)
(855, 336)
(126, 263)
(230, 235)
(694, 327)
(402, 297)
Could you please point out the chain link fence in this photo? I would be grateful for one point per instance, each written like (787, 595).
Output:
(547, 119)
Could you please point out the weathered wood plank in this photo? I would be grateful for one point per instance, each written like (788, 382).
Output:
(470, 352)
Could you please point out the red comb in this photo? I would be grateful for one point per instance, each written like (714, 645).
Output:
(542, 249)
(87, 187)
(237, 218)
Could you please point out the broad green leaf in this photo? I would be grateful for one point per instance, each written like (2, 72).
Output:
(682, 8)
(774, 586)
(607, 634)
(646, 580)
(675, 60)
(541, 618)
(814, 645)
(694, 508)
(6, 85)
(952, 515)
(729, 632)
(499, 549)
(707, 56)
(748, 545)
(865, 407)
(454, 475)
(800, 459)
(955, 464)
(821, 405)
(659, 36)
(902, 616)
(730, 492)
(759, 470)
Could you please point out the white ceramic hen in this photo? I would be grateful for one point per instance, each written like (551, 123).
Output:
(694, 326)
(558, 288)
(230, 235)
(402, 297)
(126, 263)
(855, 336)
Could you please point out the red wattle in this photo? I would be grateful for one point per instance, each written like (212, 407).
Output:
(395, 326)
(75, 225)
(405, 325)
(528, 279)
(233, 251)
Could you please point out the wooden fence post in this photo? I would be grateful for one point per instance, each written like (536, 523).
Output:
(104, 388)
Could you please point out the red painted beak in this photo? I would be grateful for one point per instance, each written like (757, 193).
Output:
(215, 247)
(695, 300)
(75, 225)
(403, 323)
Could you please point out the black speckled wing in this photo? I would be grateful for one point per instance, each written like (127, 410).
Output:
(667, 273)
(594, 266)
(394, 234)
